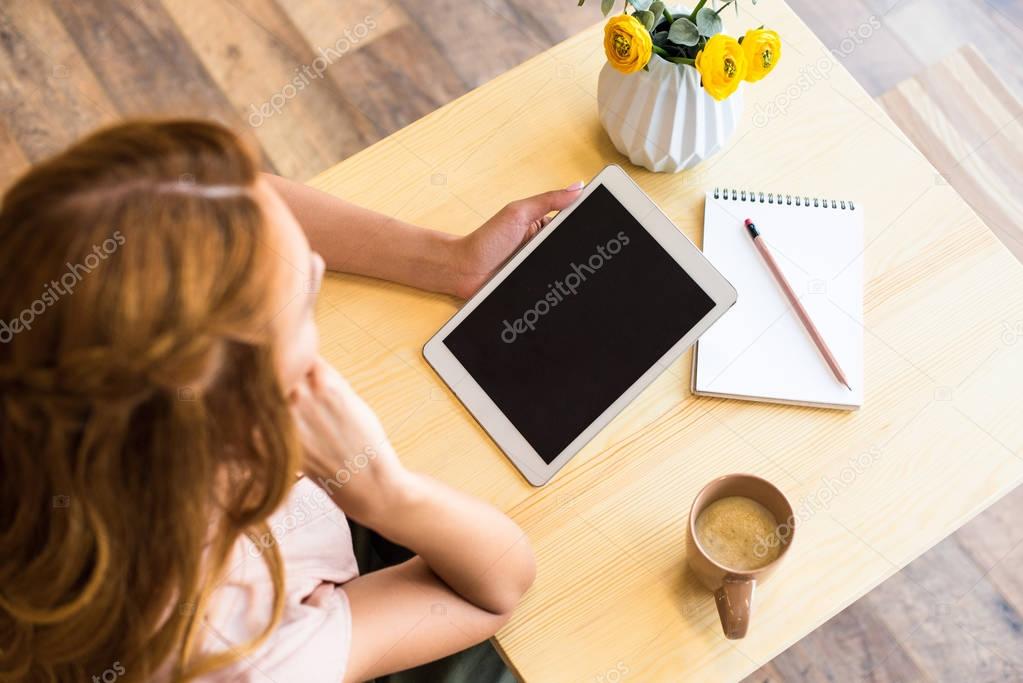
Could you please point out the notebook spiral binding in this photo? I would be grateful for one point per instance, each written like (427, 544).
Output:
(789, 200)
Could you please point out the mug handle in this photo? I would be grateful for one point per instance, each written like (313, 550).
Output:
(735, 601)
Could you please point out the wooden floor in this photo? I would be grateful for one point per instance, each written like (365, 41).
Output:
(313, 81)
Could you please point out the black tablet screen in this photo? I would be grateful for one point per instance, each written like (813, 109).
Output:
(577, 323)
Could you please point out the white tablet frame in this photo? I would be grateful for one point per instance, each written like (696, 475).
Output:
(486, 412)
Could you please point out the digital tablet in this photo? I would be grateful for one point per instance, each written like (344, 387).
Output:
(577, 323)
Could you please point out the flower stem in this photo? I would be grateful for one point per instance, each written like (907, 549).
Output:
(699, 6)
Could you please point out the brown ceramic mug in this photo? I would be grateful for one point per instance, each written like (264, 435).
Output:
(733, 588)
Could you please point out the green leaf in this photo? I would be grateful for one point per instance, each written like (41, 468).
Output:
(659, 38)
(641, 5)
(684, 32)
(645, 17)
(658, 9)
(606, 6)
(708, 22)
(580, 3)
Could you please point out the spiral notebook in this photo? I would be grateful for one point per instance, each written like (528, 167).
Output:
(759, 350)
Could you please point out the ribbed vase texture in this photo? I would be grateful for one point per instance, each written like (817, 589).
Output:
(662, 119)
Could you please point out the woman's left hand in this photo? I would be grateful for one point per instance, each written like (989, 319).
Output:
(482, 251)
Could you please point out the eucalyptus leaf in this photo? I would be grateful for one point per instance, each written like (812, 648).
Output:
(658, 9)
(660, 38)
(645, 17)
(684, 32)
(641, 5)
(707, 22)
(606, 6)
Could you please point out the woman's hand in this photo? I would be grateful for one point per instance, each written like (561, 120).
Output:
(480, 253)
(348, 453)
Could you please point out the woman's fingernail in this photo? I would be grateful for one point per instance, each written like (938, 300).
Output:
(578, 185)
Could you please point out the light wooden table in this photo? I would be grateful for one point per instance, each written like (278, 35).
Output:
(937, 441)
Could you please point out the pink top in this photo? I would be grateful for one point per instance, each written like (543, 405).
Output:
(313, 639)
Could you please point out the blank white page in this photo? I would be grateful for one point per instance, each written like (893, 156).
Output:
(759, 349)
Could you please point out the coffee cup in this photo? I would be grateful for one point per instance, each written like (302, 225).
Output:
(734, 586)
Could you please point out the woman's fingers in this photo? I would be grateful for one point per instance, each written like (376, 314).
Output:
(542, 204)
(308, 412)
(334, 413)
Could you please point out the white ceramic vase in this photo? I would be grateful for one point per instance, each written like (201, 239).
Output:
(662, 118)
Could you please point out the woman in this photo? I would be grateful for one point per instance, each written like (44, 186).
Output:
(159, 389)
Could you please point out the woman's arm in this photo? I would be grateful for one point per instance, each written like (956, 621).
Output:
(473, 547)
(473, 563)
(404, 616)
(472, 567)
(352, 239)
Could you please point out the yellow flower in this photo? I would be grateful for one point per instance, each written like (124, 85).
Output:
(627, 43)
(722, 65)
(763, 50)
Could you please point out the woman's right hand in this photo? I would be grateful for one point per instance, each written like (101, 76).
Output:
(347, 451)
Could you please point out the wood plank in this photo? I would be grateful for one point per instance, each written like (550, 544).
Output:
(322, 23)
(501, 41)
(274, 83)
(983, 120)
(49, 96)
(1010, 10)
(975, 142)
(856, 645)
(398, 79)
(995, 542)
(142, 60)
(862, 40)
(953, 23)
(951, 621)
(549, 22)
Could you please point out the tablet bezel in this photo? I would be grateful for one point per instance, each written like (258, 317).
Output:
(481, 406)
